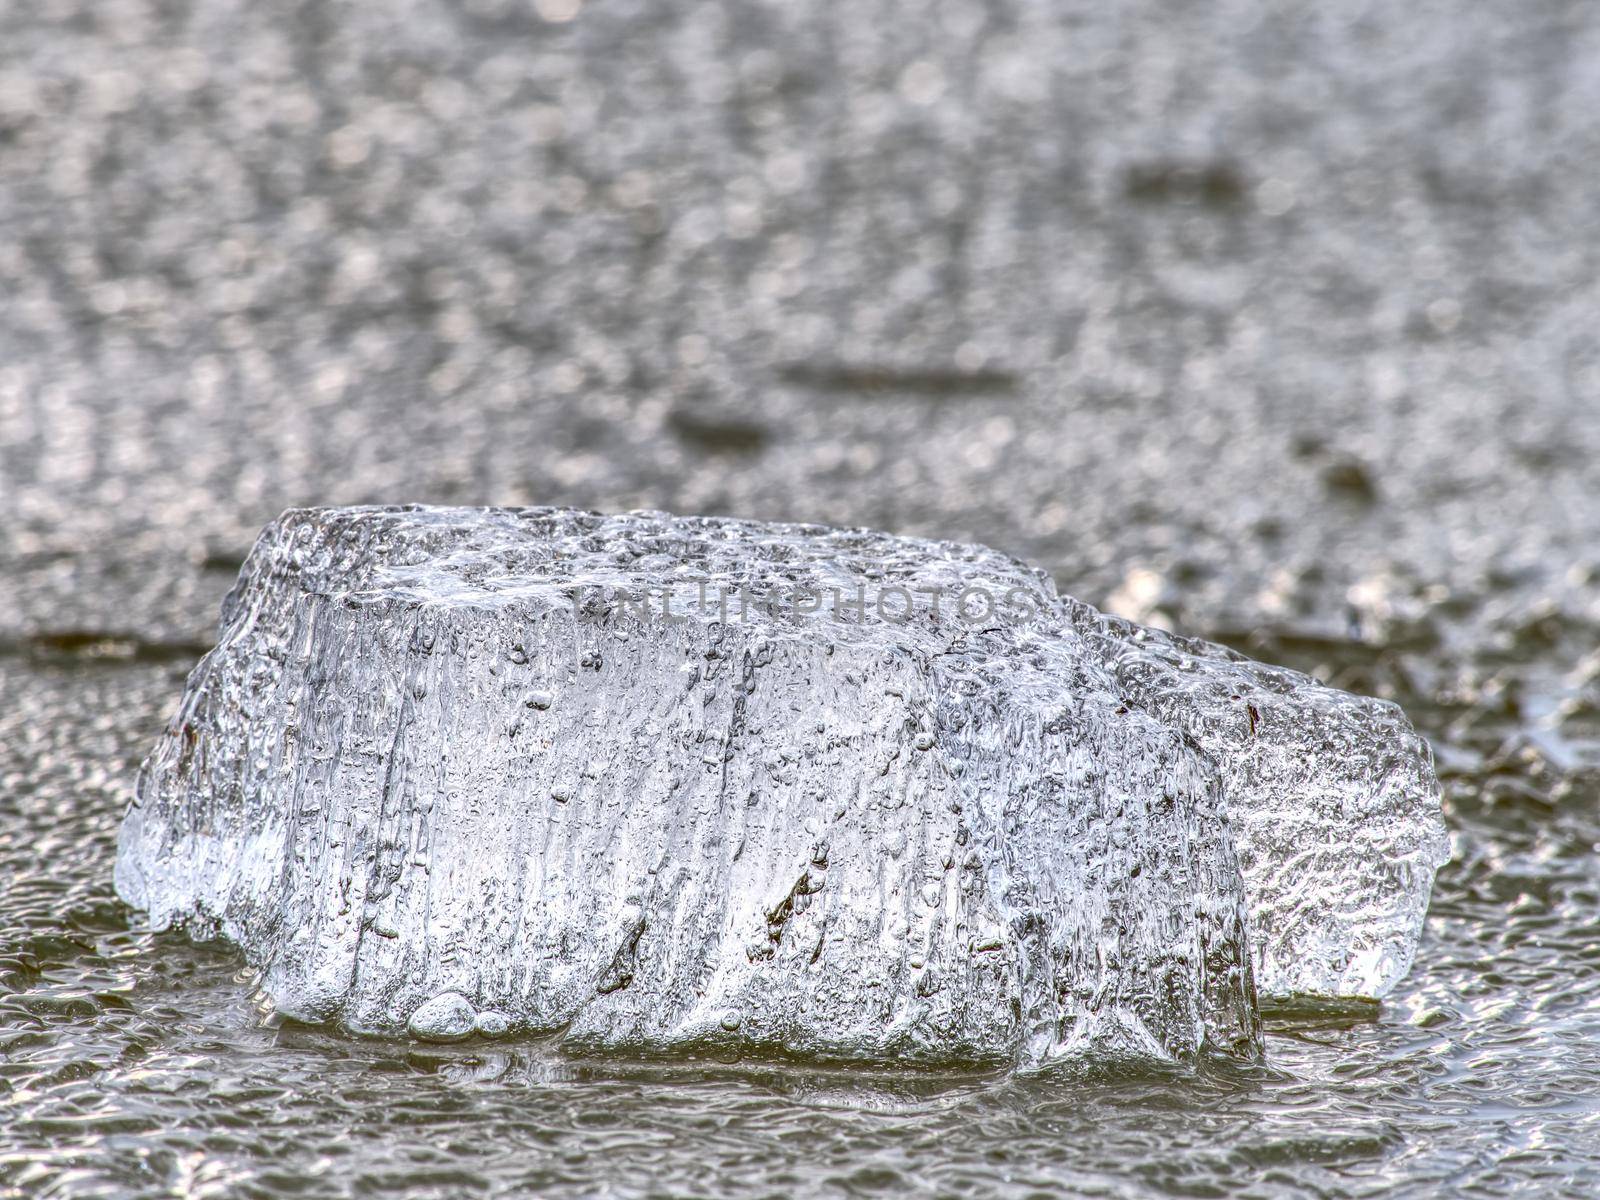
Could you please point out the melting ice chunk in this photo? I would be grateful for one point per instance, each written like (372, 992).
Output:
(650, 782)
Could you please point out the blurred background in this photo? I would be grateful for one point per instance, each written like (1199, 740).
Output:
(1231, 318)
(1274, 324)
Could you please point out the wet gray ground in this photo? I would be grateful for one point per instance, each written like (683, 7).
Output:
(1273, 328)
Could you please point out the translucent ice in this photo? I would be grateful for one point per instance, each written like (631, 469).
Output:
(453, 768)
(1333, 800)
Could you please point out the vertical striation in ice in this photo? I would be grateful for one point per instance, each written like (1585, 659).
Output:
(445, 772)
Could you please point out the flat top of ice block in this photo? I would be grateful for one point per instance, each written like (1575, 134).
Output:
(481, 555)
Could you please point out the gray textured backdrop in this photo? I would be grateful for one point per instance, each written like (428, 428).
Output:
(1227, 317)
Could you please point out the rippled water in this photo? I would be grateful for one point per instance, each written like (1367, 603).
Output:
(136, 1065)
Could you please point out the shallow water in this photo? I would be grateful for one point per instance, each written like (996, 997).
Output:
(1276, 327)
(133, 1064)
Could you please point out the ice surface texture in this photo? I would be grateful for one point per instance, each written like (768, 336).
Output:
(1333, 801)
(439, 772)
